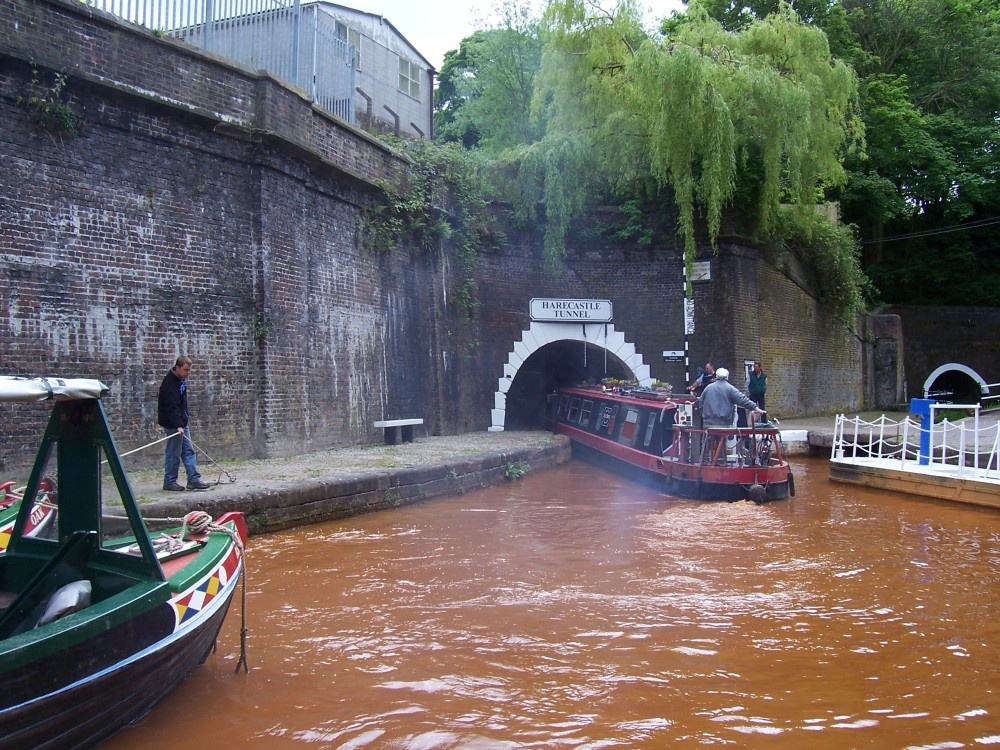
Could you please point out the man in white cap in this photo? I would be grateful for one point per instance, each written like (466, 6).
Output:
(719, 400)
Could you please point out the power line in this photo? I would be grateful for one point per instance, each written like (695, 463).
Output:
(942, 230)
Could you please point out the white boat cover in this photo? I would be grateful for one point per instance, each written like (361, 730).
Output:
(44, 389)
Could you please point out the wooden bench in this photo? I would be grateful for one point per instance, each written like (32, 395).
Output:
(398, 429)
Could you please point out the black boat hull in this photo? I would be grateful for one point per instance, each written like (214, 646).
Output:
(93, 709)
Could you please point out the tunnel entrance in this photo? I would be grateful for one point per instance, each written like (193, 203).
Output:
(549, 355)
(955, 384)
(554, 365)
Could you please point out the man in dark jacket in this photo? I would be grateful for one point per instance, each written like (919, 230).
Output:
(705, 376)
(172, 414)
(757, 384)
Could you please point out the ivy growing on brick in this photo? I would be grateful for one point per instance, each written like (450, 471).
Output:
(441, 205)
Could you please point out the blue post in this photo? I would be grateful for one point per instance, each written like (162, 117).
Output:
(921, 407)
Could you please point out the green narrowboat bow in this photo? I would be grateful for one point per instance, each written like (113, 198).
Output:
(99, 620)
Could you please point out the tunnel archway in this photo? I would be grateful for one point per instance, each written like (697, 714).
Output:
(549, 355)
(955, 383)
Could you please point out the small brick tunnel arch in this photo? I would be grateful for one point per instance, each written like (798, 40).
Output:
(955, 383)
(549, 355)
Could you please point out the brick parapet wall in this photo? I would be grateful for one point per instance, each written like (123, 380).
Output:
(198, 201)
(91, 46)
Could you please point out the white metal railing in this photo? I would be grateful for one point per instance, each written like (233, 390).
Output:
(956, 445)
(990, 402)
(293, 41)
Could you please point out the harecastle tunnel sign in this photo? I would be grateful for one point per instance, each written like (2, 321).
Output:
(571, 310)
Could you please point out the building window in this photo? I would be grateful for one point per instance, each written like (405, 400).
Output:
(349, 36)
(354, 38)
(409, 78)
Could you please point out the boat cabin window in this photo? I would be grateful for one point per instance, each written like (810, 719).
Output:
(585, 408)
(574, 409)
(628, 428)
(563, 407)
(650, 424)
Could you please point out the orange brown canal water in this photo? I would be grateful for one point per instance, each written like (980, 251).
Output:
(576, 609)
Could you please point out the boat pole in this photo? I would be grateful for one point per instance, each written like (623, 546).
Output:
(606, 352)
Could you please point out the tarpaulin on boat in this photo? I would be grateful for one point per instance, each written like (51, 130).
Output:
(43, 389)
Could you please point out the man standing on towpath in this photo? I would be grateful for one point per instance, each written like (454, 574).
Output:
(172, 414)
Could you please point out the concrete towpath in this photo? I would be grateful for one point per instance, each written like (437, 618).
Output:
(279, 493)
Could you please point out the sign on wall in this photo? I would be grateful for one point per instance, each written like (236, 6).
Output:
(571, 310)
(701, 270)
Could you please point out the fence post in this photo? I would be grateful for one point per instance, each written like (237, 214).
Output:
(296, 26)
(209, 24)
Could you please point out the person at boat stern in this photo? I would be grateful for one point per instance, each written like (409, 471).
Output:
(172, 415)
(719, 400)
(757, 384)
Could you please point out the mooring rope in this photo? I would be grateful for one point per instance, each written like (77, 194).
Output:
(243, 624)
(215, 463)
(200, 522)
(140, 448)
(232, 479)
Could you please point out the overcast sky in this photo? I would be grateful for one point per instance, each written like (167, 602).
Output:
(436, 26)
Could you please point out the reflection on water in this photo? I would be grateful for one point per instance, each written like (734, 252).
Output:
(577, 609)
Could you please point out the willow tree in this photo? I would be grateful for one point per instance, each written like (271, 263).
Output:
(753, 118)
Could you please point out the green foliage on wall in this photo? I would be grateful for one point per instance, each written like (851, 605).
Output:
(48, 104)
(442, 205)
(832, 252)
(677, 129)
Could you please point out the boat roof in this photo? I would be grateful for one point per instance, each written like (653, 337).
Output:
(634, 395)
(18, 389)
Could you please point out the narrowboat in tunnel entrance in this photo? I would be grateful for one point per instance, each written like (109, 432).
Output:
(653, 436)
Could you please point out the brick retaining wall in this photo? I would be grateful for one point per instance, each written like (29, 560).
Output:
(208, 209)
